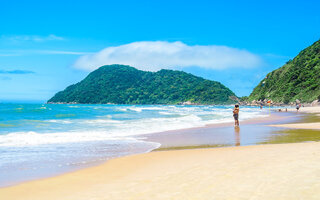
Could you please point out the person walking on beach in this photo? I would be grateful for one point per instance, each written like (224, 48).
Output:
(236, 115)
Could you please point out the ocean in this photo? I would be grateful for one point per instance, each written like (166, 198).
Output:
(42, 140)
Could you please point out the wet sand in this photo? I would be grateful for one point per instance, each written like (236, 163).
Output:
(250, 132)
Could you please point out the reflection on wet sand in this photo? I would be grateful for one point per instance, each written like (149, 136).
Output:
(237, 135)
(252, 133)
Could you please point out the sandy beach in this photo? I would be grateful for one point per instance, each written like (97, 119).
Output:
(282, 171)
(315, 126)
(271, 171)
(311, 109)
(308, 110)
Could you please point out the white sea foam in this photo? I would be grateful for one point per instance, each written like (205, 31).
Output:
(102, 121)
(60, 121)
(119, 131)
(166, 113)
(33, 138)
(74, 106)
(107, 127)
(141, 108)
(135, 109)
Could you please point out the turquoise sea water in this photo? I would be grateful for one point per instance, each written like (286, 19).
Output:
(40, 140)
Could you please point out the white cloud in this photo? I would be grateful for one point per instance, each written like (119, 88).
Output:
(153, 56)
(36, 52)
(46, 38)
(8, 54)
(33, 38)
(58, 52)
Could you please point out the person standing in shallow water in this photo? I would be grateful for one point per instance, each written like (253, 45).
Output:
(236, 115)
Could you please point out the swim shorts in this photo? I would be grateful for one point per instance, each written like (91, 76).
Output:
(235, 116)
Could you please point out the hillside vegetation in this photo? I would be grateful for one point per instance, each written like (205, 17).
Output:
(297, 79)
(120, 84)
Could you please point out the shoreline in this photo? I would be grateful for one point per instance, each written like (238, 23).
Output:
(89, 172)
(141, 138)
(218, 135)
(309, 124)
(12, 178)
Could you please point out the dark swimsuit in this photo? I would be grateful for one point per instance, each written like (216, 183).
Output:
(236, 116)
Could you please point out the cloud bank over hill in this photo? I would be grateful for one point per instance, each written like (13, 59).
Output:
(156, 55)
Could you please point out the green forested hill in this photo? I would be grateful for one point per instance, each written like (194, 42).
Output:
(297, 79)
(122, 84)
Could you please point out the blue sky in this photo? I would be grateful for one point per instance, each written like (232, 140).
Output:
(46, 46)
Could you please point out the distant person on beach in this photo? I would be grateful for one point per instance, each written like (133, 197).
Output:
(297, 107)
(236, 115)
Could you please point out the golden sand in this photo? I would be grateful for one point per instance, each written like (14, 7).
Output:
(310, 110)
(315, 126)
(282, 171)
